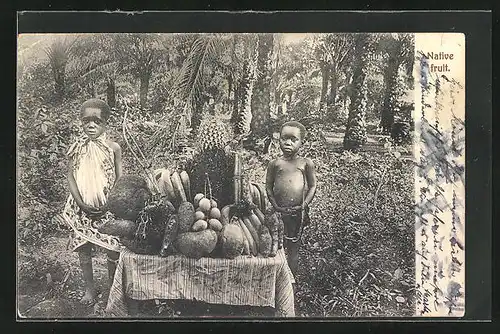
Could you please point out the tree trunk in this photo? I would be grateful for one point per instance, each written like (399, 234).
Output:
(143, 90)
(261, 98)
(59, 81)
(355, 135)
(244, 117)
(111, 92)
(196, 116)
(332, 96)
(390, 94)
(325, 73)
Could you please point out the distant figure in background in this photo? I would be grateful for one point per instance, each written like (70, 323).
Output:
(290, 187)
(95, 163)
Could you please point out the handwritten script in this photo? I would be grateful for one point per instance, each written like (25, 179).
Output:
(440, 192)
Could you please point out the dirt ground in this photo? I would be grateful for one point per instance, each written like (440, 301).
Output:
(50, 285)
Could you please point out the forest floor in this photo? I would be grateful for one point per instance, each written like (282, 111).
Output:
(357, 257)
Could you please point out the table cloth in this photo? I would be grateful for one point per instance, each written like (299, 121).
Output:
(245, 280)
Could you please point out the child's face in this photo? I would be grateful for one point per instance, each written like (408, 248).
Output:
(290, 140)
(94, 124)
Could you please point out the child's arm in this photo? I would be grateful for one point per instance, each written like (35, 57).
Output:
(310, 174)
(118, 160)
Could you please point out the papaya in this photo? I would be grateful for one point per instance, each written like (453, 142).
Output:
(170, 234)
(186, 216)
(196, 244)
(265, 241)
(186, 183)
(232, 241)
(178, 187)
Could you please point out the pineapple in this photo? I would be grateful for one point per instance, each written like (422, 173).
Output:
(212, 159)
(212, 133)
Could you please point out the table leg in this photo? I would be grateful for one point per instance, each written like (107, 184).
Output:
(132, 306)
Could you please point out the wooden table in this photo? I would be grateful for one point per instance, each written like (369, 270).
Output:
(253, 281)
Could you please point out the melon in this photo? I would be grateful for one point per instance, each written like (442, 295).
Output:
(232, 241)
(196, 244)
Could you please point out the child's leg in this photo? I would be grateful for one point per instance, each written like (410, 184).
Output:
(112, 260)
(292, 250)
(85, 255)
(291, 225)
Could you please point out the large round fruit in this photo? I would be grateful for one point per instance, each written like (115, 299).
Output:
(197, 199)
(204, 204)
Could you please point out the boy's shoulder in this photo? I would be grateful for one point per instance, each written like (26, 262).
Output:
(114, 145)
(307, 161)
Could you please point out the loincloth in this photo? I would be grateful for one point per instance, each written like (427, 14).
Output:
(292, 222)
(85, 230)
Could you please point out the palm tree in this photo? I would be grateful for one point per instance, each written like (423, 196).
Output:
(196, 73)
(142, 54)
(355, 135)
(98, 60)
(399, 50)
(333, 52)
(261, 98)
(59, 53)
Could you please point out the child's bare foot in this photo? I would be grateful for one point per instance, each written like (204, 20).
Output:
(90, 297)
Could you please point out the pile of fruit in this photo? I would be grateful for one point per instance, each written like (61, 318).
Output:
(168, 223)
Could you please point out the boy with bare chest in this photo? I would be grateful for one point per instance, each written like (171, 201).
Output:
(290, 187)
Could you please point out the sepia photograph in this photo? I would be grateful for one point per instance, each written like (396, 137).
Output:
(260, 175)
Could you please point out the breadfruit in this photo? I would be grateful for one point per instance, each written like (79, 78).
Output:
(196, 244)
(128, 197)
(232, 241)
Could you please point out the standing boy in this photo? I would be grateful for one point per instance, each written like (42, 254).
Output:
(95, 164)
(290, 187)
